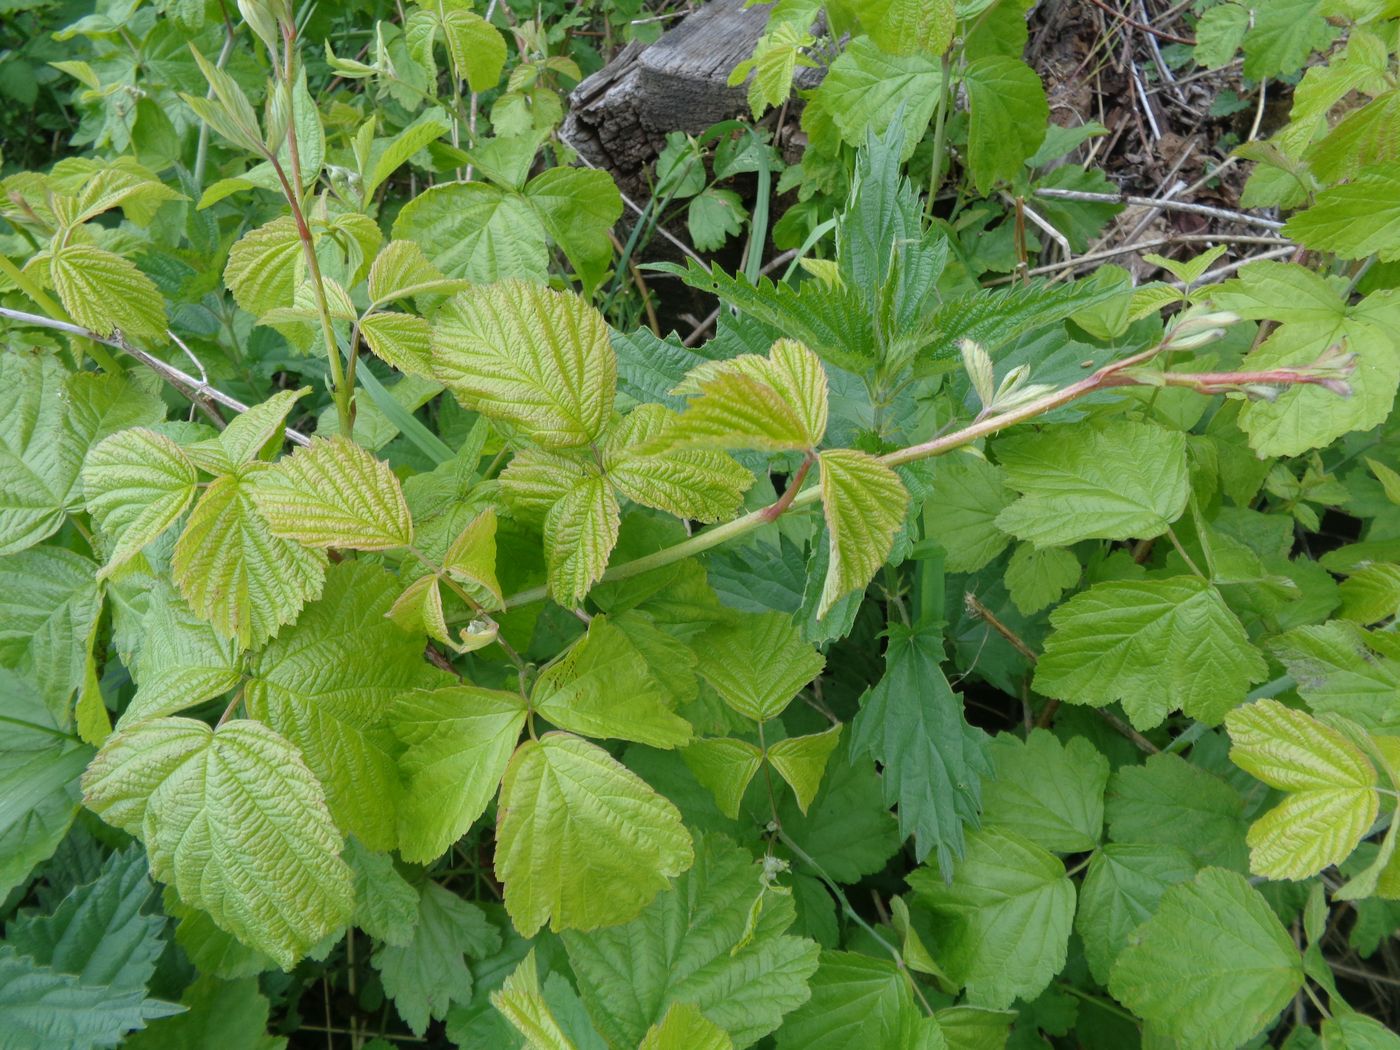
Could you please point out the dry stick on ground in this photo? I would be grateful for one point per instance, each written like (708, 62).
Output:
(1162, 33)
(1165, 204)
(198, 391)
(1285, 247)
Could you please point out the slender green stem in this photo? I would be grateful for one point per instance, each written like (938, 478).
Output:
(1190, 564)
(847, 910)
(940, 132)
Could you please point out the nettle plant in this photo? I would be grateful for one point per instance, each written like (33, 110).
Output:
(594, 697)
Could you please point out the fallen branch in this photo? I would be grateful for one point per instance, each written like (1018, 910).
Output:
(1163, 204)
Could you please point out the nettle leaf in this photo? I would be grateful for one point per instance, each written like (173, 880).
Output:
(328, 685)
(758, 663)
(1331, 785)
(539, 359)
(334, 494)
(581, 841)
(801, 761)
(1009, 113)
(724, 766)
(701, 484)
(1051, 793)
(912, 723)
(602, 687)
(580, 532)
(235, 821)
(1155, 645)
(768, 403)
(104, 292)
(235, 572)
(1121, 890)
(864, 502)
(715, 939)
(1212, 967)
(458, 740)
(137, 484)
(1115, 481)
(1004, 920)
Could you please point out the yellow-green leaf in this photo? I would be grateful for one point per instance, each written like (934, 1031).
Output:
(579, 533)
(801, 761)
(524, 1006)
(137, 483)
(864, 503)
(724, 766)
(757, 664)
(104, 292)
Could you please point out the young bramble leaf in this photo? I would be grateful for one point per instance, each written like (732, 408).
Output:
(724, 766)
(251, 436)
(137, 483)
(265, 266)
(758, 663)
(235, 821)
(1331, 785)
(697, 483)
(801, 761)
(536, 358)
(104, 292)
(402, 271)
(579, 534)
(685, 1028)
(864, 502)
(1036, 577)
(471, 559)
(334, 493)
(402, 341)
(563, 797)
(458, 742)
(184, 661)
(1212, 966)
(1155, 645)
(1355, 220)
(856, 1001)
(522, 1002)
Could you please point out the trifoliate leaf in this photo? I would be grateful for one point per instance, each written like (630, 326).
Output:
(1003, 923)
(1167, 801)
(49, 601)
(910, 27)
(565, 798)
(767, 403)
(458, 741)
(698, 943)
(724, 766)
(685, 1028)
(523, 1004)
(1155, 645)
(1036, 577)
(537, 358)
(1213, 965)
(757, 664)
(234, 572)
(235, 821)
(265, 266)
(386, 904)
(402, 271)
(1121, 890)
(183, 661)
(1008, 115)
(252, 435)
(328, 685)
(104, 292)
(702, 484)
(864, 502)
(856, 1001)
(801, 761)
(579, 534)
(402, 341)
(912, 723)
(429, 973)
(1331, 785)
(334, 494)
(602, 687)
(1051, 793)
(137, 484)
(1115, 481)
(968, 494)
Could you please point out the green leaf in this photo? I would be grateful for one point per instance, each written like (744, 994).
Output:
(1009, 113)
(334, 494)
(386, 904)
(968, 494)
(401, 341)
(912, 723)
(38, 463)
(402, 271)
(429, 973)
(212, 949)
(524, 1005)
(252, 436)
(1121, 890)
(1119, 480)
(49, 601)
(104, 292)
(1338, 672)
(910, 27)
(1219, 34)
(601, 687)
(698, 943)
(848, 825)
(1354, 220)
(235, 573)
(1331, 785)
(1282, 35)
(867, 88)
(235, 821)
(685, 1028)
(329, 684)
(578, 208)
(700, 484)
(564, 797)
(1003, 923)
(183, 661)
(1037, 577)
(1213, 965)
(475, 232)
(265, 266)
(801, 761)
(856, 1001)
(231, 1015)
(1048, 792)
(470, 559)
(580, 532)
(714, 216)
(757, 664)
(864, 503)
(537, 358)
(724, 766)
(458, 740)
(137, 484)
(388, 155)
(228, 112)
(1155, 645)
(1168, 802)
